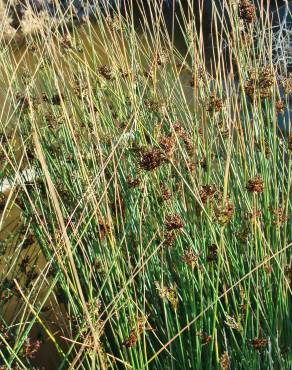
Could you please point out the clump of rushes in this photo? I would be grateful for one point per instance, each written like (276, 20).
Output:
(129, 110)
(173, 222)
(247, 11)
(255, 185)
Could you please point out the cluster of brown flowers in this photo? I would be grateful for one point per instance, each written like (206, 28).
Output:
(106, 72)
(259, 343)
(225, 361)
(133, 182)
(169, 239)
(165, 193)
(199, 74)
(247, 11)
(173, 222)
(168, 293)
(207, 192)
(114, 23)
(30, 348)
(232, 323)
(279, 216)
(223, 212)
(152, 159)
(180, 131)
(280, 105)
(215, 104)
(156, 106)
(266, 148)
(290, 142)
(190, 258)
(286, 83)
(141, 326)
(162, 57)
(212, 255)
(260, 82)
(167, 143)
(103, 227)
(205, 338)
(255, 185)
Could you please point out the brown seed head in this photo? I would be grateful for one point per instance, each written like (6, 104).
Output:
(152, 159)
(225, 361)
(255, 185)
(173, 222)
(247, 11)
(259, 343)
(190, 258)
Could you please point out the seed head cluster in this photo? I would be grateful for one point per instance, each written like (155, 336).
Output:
(247, 11)
(255, 185)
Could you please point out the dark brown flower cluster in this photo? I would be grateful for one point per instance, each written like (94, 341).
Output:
(290, 142)
(280, 105)
(106, 72)
(196, 76)
(260, 82)
(103, 227)
(255, 185)
(168, 293)
(207, 192)
(30, 348)
(225, 361)
(190, 258)
(165, 193)
(215, 104)
(132, 339)
(152, 159)
(259, 343)
(167, 144)
(173, 222)
(155, 105)
(223, 212)
(286, 83)
(205, 338)
(133, 182)
(212, 255)
(180, 131)
(162, 57)
(279, 216)
(247, 11)
(169, 239)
